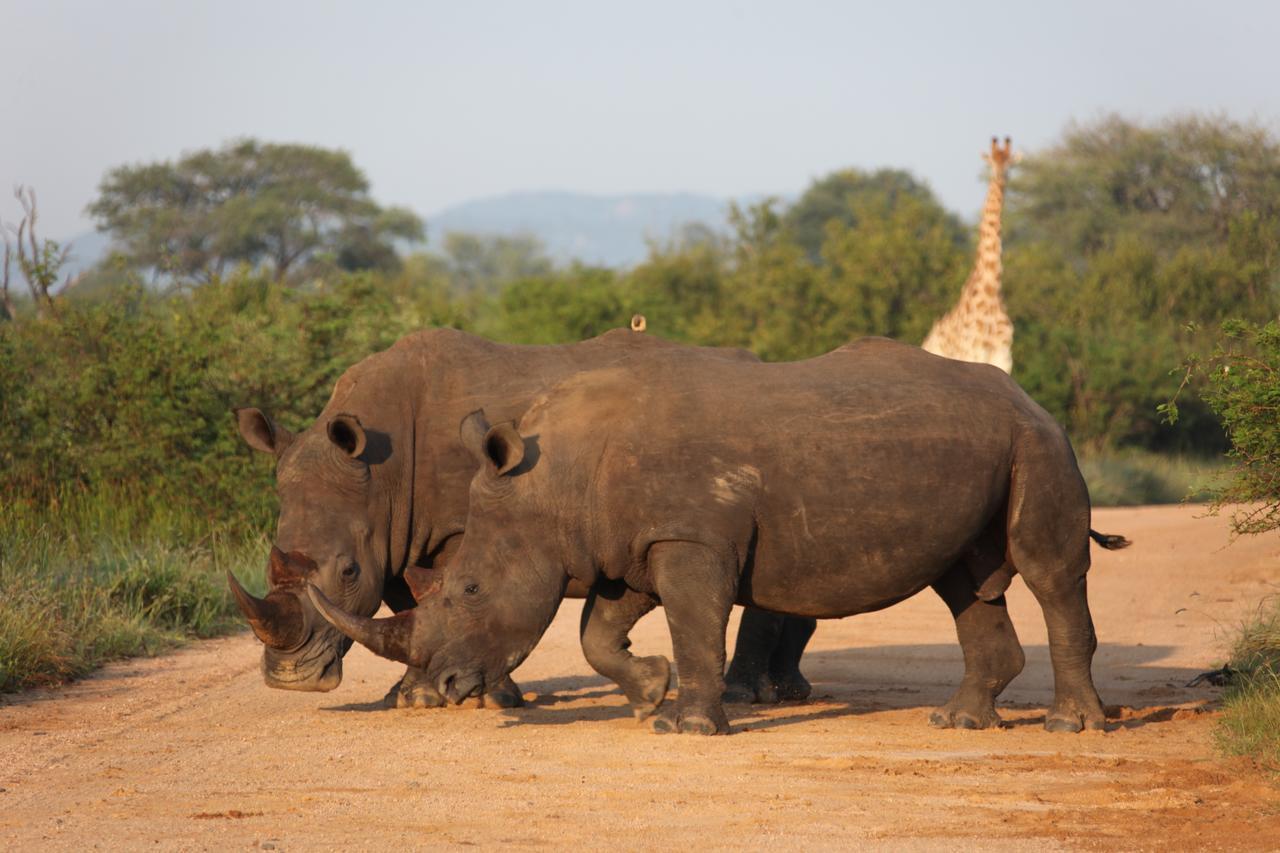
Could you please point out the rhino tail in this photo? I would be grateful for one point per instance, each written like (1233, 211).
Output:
(1110, 541)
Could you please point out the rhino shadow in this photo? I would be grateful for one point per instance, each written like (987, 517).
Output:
(863, 680)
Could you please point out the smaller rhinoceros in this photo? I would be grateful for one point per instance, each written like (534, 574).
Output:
(822, 488)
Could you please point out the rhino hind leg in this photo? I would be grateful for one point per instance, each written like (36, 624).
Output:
(609, 614)
(766, 658)
(992, 654)
(749, 678)
(784, 663)
(1072, 642)
(697, 587)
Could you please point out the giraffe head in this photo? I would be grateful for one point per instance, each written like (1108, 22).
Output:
(1000, 158)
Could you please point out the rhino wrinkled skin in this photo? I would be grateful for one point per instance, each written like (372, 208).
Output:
(823, 488)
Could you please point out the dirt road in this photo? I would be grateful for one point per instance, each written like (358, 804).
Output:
(192, 751)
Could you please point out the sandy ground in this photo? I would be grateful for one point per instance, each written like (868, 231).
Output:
(192, 751)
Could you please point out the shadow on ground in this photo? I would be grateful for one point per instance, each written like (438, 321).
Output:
(854, 681)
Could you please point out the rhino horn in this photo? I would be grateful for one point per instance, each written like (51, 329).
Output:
(285, 569)
(276, 620)
(388, 637)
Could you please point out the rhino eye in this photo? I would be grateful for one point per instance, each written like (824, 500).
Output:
(472, 588)
(349, 572)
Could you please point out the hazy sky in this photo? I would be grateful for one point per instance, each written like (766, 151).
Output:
(444, 102)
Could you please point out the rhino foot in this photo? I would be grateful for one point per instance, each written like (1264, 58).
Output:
(791, 686)
(970, 708)
(1073, 721)
(763, 691)
(504, 694)
(944, 718)
(650, 679)
(691, 722)
(413, 691)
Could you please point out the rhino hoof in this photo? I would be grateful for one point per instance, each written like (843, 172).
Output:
(1074, 723)
(419, 696)
(653, 680)
(695, 724)
(1063, 724)
(944, 718)
(763, 692)
(504, 694)
(792, 687)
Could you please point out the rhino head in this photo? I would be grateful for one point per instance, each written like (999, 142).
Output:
(503, 588)
(332, 533)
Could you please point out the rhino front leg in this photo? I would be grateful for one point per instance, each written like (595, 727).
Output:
(992, 654)
(697, 587)
(609, 614)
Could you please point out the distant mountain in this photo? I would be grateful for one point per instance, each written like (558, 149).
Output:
(610, 230)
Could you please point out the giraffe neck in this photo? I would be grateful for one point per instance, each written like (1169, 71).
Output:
(985, 278)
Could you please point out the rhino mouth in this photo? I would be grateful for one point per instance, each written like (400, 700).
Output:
(317, 672)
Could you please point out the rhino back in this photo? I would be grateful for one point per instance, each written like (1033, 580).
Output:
(876, 456)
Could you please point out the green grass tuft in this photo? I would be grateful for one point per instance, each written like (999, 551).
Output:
(1250, 722)
(101, 579)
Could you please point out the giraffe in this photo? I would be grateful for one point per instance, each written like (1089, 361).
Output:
(977, 328)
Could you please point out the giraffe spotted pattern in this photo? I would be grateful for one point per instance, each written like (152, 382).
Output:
(978, 328)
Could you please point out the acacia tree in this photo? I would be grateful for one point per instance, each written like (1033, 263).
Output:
(253, 203)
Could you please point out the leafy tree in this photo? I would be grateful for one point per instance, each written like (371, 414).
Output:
(251, 203)
(483, 263)
(576, 304)
(682, 282)
(894, 271)
(840, 196)
(1183, 182)
(1121, 237)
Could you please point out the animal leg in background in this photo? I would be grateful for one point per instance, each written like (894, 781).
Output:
(608, 615)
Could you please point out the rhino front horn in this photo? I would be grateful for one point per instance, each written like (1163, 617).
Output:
(388, 637)
(276, 620)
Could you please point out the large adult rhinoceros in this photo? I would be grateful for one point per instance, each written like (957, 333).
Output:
(373, 498)
(821, 488)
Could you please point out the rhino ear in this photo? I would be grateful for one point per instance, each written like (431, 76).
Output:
(261, 433)
(499, 448)
(348, 434)
(504, 447)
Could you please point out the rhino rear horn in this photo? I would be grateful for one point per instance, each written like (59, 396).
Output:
(276, 620)
(390, 637)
